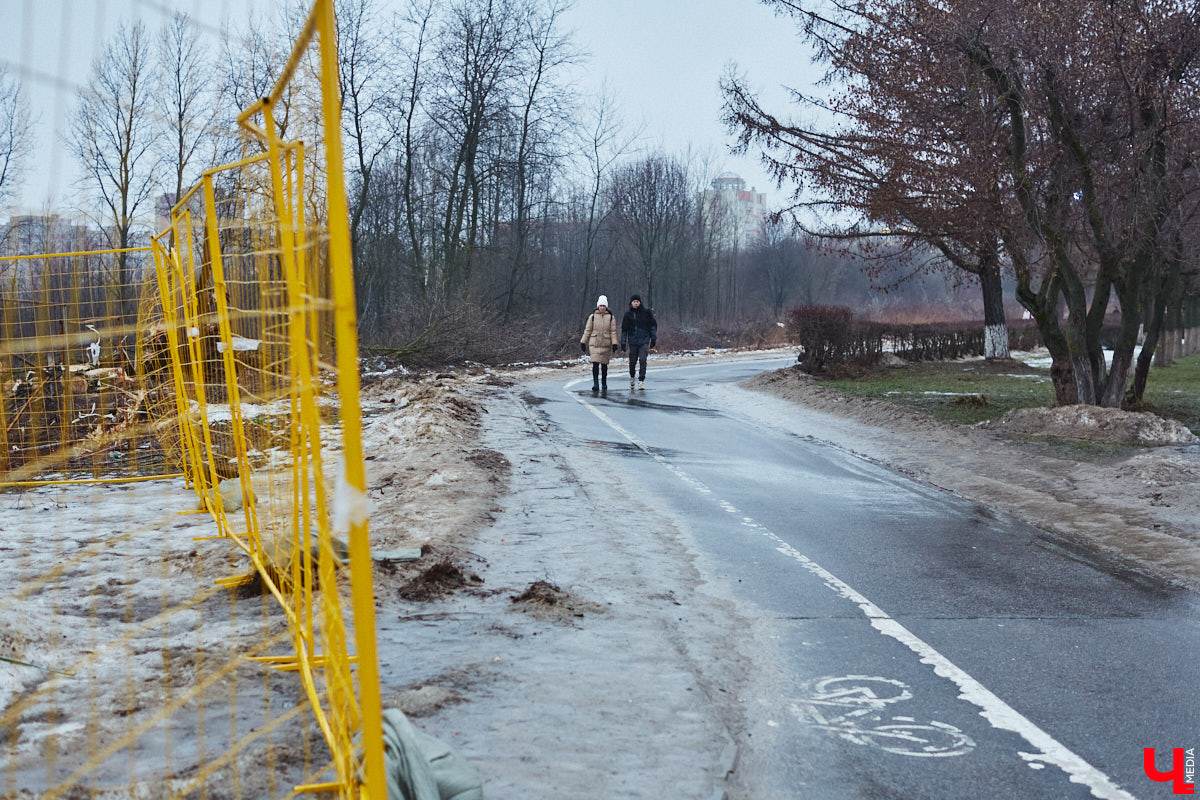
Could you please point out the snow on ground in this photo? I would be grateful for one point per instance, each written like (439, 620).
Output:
(1041, 357)
(110, 615)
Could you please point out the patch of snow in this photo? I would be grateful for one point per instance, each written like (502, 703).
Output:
(1095, 424)
(240, 345)
(350, 505)
(221, 412)
(1040, 358)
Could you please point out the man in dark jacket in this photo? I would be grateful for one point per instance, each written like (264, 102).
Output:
(639, 332)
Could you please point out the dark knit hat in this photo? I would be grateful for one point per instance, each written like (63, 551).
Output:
(637, 297)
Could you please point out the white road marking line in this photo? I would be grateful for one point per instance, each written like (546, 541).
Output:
(998, 713)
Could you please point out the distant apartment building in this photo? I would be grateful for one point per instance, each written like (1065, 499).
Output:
(737, 214)
(30, 234)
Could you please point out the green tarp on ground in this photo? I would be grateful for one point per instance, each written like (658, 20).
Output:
(420, 767)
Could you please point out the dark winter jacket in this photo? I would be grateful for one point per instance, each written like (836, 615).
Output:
(638, 327)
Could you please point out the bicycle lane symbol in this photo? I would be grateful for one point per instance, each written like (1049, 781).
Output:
(853, 707)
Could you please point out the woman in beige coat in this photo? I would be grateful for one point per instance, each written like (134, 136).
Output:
(600, 340)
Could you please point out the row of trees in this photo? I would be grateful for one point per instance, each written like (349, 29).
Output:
(482, 180)
(1056, 141)
(484, 187)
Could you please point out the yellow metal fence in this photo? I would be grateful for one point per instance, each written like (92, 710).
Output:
(72, 406)
(225, 354)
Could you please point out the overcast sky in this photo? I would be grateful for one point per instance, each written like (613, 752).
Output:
(662, 58)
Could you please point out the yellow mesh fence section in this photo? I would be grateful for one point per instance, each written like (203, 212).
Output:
(72, 406)
(210, 632)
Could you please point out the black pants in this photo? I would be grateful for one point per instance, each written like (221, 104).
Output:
(599, 370)
(637, 356)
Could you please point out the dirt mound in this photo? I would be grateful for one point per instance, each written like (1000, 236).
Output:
(439, 580)
(1095, 424)
(545, 599)
(427, 477)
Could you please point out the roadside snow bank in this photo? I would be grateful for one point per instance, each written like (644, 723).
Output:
(1095, 424)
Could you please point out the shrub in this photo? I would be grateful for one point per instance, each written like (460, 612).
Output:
(440, 334)
(832, 338)
(822, 333)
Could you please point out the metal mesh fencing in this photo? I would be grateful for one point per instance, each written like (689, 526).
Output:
(209, 633)
(71, 404)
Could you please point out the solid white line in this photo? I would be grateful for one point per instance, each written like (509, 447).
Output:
(1001, 715)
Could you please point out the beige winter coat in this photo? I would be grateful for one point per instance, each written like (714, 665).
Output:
(600, 335)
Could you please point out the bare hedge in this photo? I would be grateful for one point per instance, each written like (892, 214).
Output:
(830, 336)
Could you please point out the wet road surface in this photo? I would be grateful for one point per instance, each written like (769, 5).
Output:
(920, 645)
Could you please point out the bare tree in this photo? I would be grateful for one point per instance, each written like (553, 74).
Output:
(543, 106)
(189, 93)
(418, 21)
(782, 259)
(908, 168)
(1100, 124)
(654, 204)
(112, 135)
(371, 117)
(1012, 125)
(475, 62)
(251, 63)
(604, 140)
(16, 131)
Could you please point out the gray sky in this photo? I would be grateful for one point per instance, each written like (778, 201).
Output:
(662, 58)
(52, 44)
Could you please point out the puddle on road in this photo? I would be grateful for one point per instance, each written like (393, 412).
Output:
(630, 449)
(531, 399)
(639, 400)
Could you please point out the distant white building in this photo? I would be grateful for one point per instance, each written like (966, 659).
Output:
(738, 214)
(33, 234)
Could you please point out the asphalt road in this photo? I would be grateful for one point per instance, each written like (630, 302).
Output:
(923, 647)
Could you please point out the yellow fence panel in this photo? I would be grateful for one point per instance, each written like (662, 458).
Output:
(210, 632)
(72, 406)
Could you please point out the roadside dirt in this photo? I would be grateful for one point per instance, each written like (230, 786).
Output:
(1136, 503)
(430, 484)
(561, 654)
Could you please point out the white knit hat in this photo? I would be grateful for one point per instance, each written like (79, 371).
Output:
(602, 301)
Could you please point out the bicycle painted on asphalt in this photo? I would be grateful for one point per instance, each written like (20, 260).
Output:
(853, 706)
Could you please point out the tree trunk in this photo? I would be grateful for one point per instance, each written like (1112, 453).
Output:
(1158, 309)
(995, 327)
(1122, 361)
(1063, 378)
(1043, 307)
